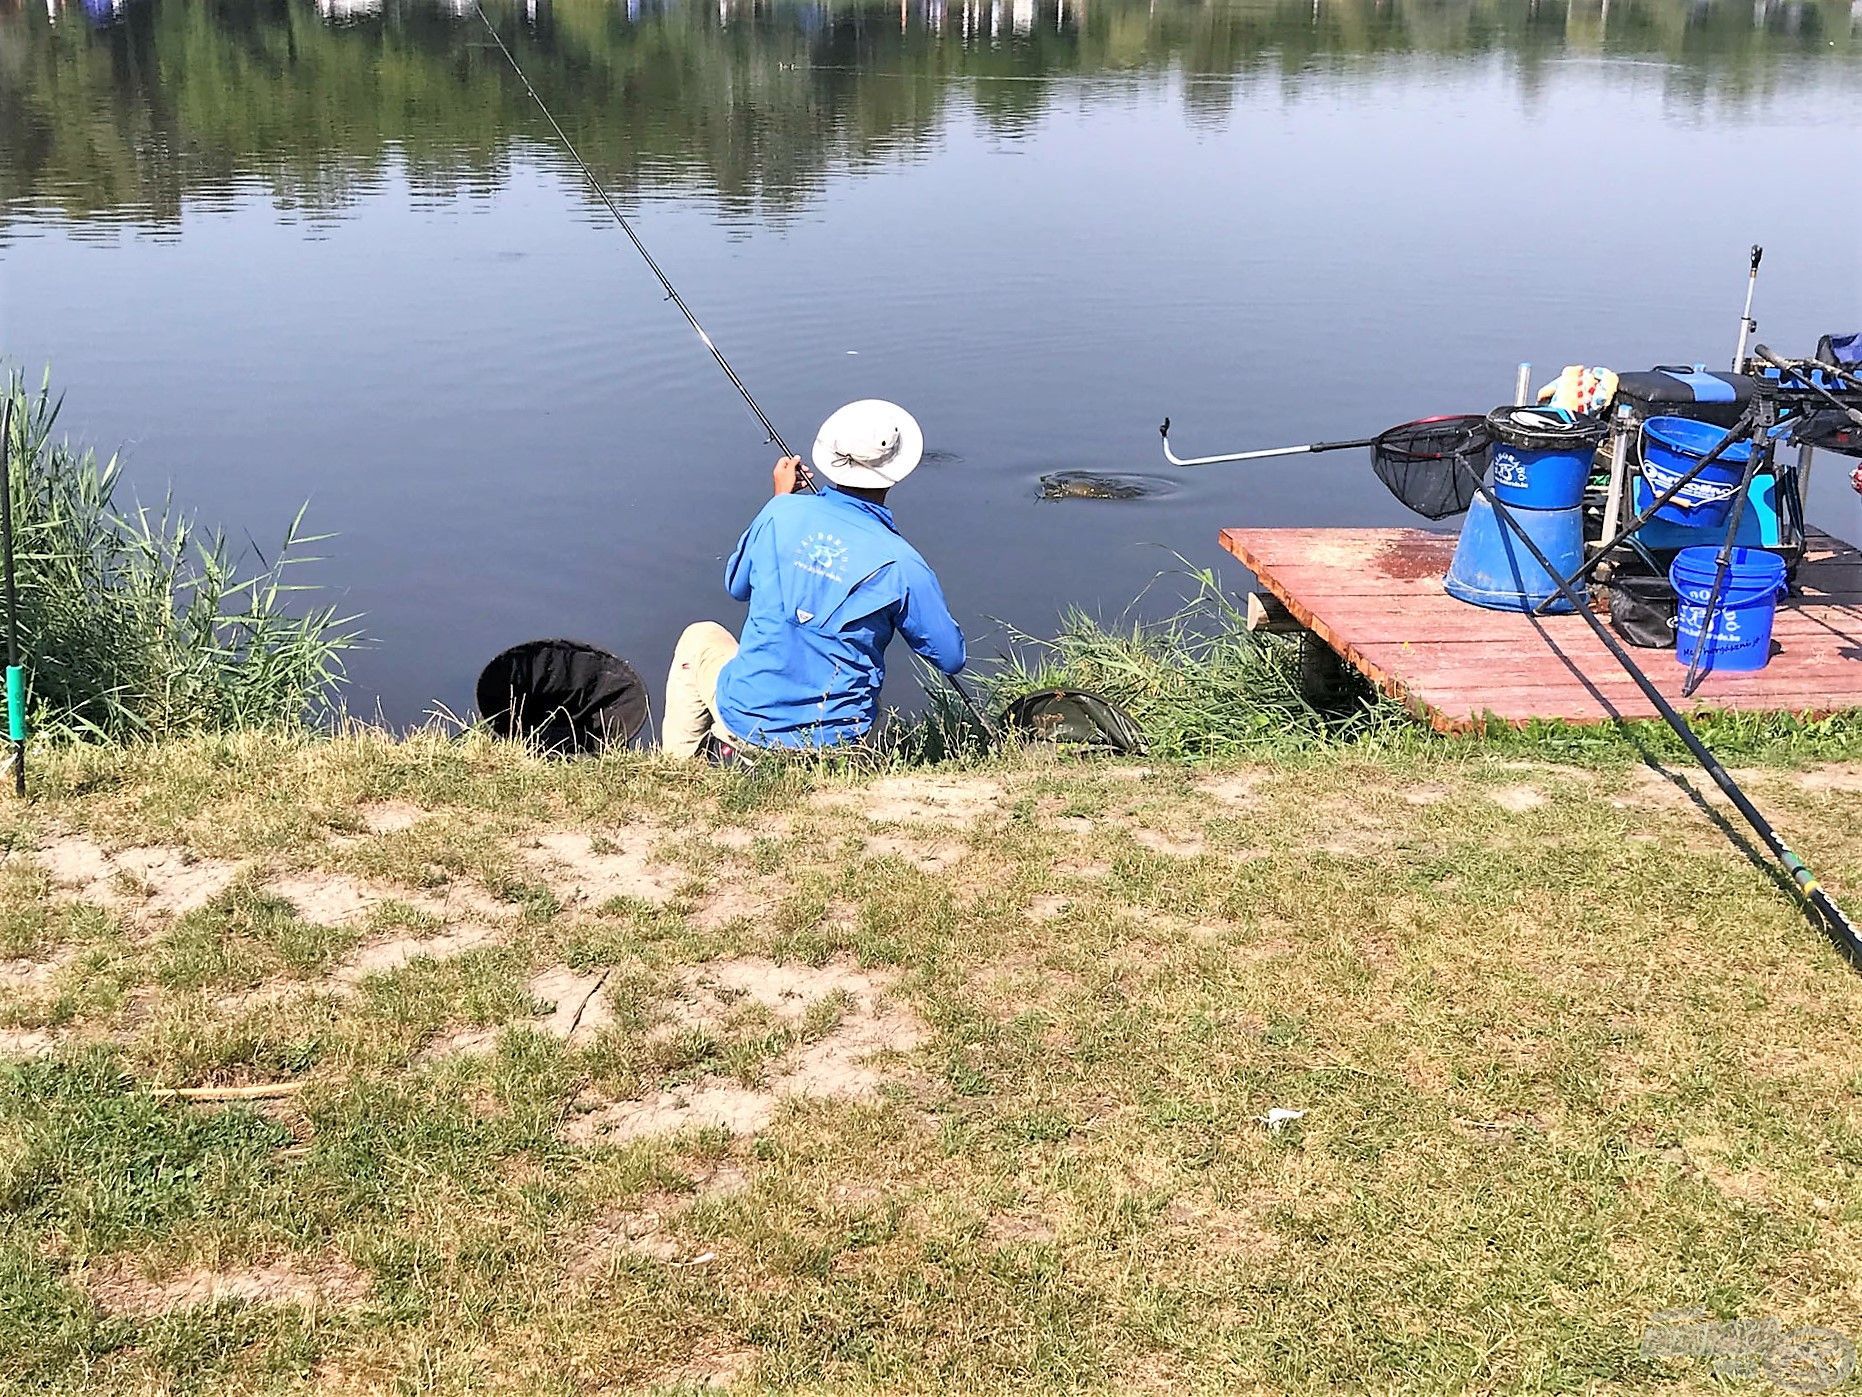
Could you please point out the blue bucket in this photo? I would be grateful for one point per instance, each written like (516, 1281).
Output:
(1740, 638)
(1673, 446)
(1541, 456)
(1492, 568)
(1758, 521)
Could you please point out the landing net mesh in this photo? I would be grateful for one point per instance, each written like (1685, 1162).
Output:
(1432, 465)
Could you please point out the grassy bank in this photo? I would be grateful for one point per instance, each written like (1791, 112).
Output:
(621, 1077)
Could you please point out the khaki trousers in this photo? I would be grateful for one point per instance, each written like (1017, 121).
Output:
(691, 712)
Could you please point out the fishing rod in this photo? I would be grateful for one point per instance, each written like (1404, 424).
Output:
(15, 673)
(1601, 553)
(1760, 457)
(1793, 373)
(601, 193)
(1434, 466)
(1697, 666)
(803, 474)
(1802, 374)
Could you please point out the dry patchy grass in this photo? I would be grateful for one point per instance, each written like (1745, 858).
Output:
(622, 1077)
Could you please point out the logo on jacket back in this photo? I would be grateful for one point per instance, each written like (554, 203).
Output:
(822, 555)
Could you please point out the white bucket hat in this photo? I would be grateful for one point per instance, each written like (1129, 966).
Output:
(870, 445)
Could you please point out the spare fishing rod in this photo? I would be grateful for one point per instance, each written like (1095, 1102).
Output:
(803, 474)
(1835, 922)
(1793, 374)
(1790, 375)
(1601, 553)
(1697, 666)
(1799, 374)
(1434, 466)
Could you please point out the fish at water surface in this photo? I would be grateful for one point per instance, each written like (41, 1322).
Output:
(1095, 485)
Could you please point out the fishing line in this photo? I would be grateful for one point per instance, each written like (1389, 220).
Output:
(803, 474)
(633, 237)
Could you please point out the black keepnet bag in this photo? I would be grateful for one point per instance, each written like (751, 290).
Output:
(567, 698)
(1642, 601)
(1642, 609)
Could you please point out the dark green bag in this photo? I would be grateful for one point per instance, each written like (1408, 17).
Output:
(1074, 718)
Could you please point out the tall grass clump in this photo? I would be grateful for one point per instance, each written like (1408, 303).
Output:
(1198, 682)
(138, 623)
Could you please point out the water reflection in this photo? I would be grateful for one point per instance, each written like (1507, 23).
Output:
(327, 253)
(128, 109)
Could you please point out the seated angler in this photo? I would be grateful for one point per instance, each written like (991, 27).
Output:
(829, 580)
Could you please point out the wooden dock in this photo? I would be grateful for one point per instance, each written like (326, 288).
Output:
(1375, 597)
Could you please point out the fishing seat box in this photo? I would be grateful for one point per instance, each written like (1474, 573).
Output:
(1673, 391)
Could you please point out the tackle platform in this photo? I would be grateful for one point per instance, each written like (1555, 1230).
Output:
(1375, 597)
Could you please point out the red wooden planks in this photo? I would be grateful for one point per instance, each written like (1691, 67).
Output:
(1375, 596)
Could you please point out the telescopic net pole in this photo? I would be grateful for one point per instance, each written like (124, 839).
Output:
(15, 675)
(1309, 448)
(1835, 923)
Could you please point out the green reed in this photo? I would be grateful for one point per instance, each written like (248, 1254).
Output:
(140, 623)
(1197, 682)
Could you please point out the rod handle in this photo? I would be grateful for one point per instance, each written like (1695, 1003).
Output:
(15, 704)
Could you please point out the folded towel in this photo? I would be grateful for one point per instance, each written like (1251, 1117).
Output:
(1581, 390)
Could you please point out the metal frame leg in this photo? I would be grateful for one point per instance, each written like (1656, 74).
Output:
(1620, 433)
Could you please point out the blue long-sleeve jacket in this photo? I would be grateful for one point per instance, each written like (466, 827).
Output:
(829, 580)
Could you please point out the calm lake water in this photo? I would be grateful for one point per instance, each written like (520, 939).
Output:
(281, 252)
